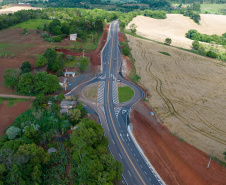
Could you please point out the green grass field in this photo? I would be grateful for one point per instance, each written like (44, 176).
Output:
(11, 101)
(214, 8)
(125, 94)
(33, 24)
(210, 8)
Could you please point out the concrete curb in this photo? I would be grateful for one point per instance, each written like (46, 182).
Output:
(145, 158)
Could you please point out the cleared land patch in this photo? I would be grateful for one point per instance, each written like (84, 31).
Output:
(16, 48)
(33, 24)
(91, 91)
(175, 27)
(16, 9)
(188, 92)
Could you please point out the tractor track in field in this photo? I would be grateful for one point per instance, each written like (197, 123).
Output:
(171, 108)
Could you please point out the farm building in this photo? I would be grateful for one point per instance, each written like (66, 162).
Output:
(67, 104)
(68, 74)
(73, 36)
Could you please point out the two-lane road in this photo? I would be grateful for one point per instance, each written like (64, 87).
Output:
(114, 115)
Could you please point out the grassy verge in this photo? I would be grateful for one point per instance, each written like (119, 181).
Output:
(181, 140)
(33, 24)
(132, 76)
(11, 101)
(125, 94)
(222, 163)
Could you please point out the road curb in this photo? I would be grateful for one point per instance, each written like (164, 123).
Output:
(144, 156)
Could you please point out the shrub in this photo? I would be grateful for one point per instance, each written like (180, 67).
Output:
(57, 39)
(168, 41)
(25, 67)
(41, 61)
(12, 132)
(195, 45)
(211, 54)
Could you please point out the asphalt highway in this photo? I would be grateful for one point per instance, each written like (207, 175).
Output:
(114, 116)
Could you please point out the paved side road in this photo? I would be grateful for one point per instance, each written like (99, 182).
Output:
(16, 96)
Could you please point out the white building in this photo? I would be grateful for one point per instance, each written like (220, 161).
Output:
(68, 74)
(73, 36)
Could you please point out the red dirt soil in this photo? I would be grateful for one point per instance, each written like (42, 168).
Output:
(95, 56)
(8, 114)
(176, 162)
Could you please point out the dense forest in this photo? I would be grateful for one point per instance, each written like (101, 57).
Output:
(41, 148)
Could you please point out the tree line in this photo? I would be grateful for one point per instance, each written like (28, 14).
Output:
(195, 35)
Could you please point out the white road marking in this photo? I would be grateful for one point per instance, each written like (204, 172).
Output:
(113, 141)
(120, 156)
(129, 173)
(121, 137)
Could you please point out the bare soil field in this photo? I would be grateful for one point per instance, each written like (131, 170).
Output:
(16, 9)
(8, 114)
(23, 48)
(188, 93)
(178, 163)
(175, 26)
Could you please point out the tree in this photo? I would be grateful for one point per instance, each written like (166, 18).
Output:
(26, 84)
(54, 24)
(11, 77)
(168, 41)
(83, 64)
(55, 65)
(98, 25)
(15, 176)
(195, 45)
(75, 114)
(60, 97)
(12, 132)
(25, 67)
(133, 28)
(50, 54)
(196, 6)
(41, 61)
(40, 100)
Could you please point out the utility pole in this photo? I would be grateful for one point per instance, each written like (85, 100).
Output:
(210, 159)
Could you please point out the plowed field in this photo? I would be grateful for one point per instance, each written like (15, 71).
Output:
(188, 93)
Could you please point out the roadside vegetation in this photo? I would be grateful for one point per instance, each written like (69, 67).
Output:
(125, 94)
(11, 101)
(24, 156)
(126, 51)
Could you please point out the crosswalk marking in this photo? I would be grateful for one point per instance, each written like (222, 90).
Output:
(100, 97)
(115, 90)
(117, 110)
